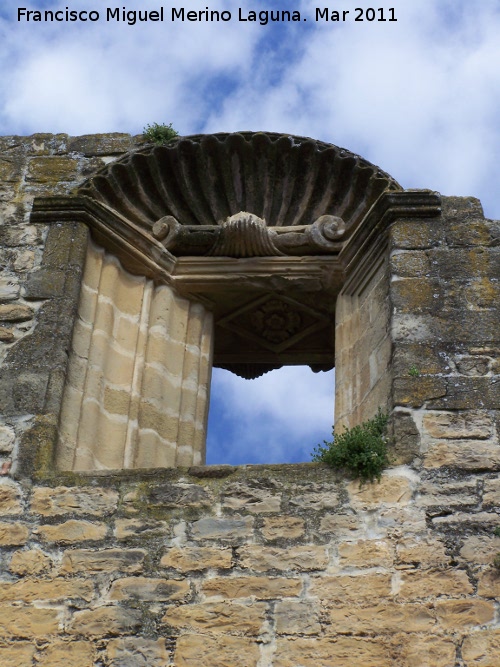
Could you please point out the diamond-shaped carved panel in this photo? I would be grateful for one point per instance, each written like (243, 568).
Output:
(275, 322)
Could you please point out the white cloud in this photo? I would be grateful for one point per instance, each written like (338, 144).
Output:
(278, 417)
(77, 78)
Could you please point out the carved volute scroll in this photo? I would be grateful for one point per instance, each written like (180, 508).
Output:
(252, 236)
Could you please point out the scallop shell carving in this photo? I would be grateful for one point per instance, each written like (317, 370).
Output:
(205, 179)
(245, 235)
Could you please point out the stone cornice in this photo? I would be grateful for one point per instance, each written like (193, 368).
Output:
(143, 254)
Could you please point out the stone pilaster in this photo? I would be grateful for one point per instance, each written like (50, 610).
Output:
(139, 372)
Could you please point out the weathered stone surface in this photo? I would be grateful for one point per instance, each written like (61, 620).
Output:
(62, 653)
(113, 143)
(434, 583)
(311, 652)
(19, 654)
(458, 425)
(263, 588)
(466, 454)
(137, 652)
(186, 559)
(152, 590)
(489, 583)
(9, 289)
(425, 651)
(315, 500)
(391, 490)
(18, 236)
(140, 528)
(7, 335)
(340, 524)
(72, 531)
(244, 496)
(473, 365)
(23, 261)
(415, 295)
(27, 622)
(282, 527)
(224, 529)
(482, 649)
(297, 618)
(410, 264)
(10, 168)
(32, 562)
(301, 559)
(413, 235)
(406, 438)
(51, 169)
(45, 283)
(387, 617)
(10, 498)
(480, 549)
(425, 552)
(64, 500)
(457, 614)
(464, 393)
(105, 560)
(30, 590)
(366, 553)
(15, 313)
(218, 617)
(179, 495)
(13, 534)
(492, 491)
(351, 587)
(467, 519)
(224, 651)
(415, 391)
(7, 438)
(399, 521)
(105, 621)
(448, 494)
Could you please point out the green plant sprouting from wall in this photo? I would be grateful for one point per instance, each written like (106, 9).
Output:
(360, 451)
(159, 134)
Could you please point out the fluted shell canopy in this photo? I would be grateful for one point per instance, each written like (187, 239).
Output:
(204, 179)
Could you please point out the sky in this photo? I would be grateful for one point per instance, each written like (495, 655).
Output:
(419, 97)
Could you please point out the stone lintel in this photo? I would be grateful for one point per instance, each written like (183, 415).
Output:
(137, 250)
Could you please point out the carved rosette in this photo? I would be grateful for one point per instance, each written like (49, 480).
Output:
(276, 321)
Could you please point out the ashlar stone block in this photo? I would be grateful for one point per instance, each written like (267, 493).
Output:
(482, 649)
(218, 617)
(60, 653)
(223, 651)
(151, 590)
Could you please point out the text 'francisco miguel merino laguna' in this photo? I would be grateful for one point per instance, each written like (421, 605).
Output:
(180, 14)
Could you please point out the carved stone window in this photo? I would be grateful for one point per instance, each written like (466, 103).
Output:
(246, 251)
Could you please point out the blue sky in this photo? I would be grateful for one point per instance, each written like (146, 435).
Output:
(419, 97)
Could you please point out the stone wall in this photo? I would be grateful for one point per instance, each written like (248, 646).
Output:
(254, 566)
(39, 290)
(446, 337)
(265, 566)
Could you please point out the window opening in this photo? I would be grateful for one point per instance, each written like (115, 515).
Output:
(276, 418)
